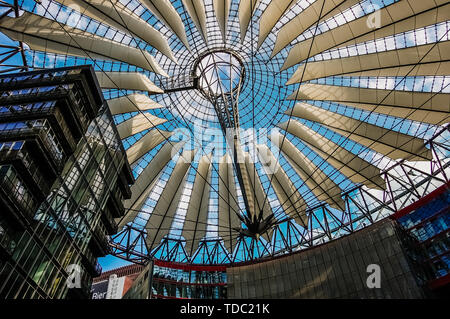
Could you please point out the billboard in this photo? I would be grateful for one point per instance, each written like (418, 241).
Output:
(113, 288)
(99, 290)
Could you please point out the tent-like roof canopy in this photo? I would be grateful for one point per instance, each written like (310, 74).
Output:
(324, 98)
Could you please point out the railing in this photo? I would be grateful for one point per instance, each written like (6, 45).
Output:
(17, 151)
(181, 82)
(41, 129)
(13, 189)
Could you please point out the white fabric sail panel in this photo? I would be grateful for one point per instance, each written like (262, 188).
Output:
(222, 11)
(138, 123)
(434, 102)
(254, 191)
(258, 190)
(228, 205)
(306, 18)
(158, 225)
(441, 68)
(349, 164)
(118, 16)
(335, 68)
(246, 10)
(426, 16)
(390, 63)
(196, 219)
(165, 12)
(196, 10)
(271, 15)
(387, 142)
(143, 185)
(321, 185)
(290, 199)
(148, 142)
(43, 34)
(132, 103)
(419, 115)
(386, 60)
(126, 81)
(347, 33)
(247, 190)
(134, 210)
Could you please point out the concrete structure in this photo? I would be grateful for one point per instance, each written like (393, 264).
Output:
(334, 270)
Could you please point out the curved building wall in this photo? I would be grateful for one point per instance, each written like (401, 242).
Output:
(337, 269)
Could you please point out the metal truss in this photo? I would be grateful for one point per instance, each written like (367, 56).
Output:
(178, 83)
(9, 52)
(220, 75)
(363, 208)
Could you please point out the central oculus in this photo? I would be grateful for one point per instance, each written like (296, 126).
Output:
(219, 73)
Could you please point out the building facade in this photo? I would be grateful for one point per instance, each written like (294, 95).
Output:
(114, 284)
(168, 280)
(428, 222)
(63, 176)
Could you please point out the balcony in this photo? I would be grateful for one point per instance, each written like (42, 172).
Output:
(53, 111)
(40, 102)
(18, 154)
(43, 143)
(81, 80)
(19, 204)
